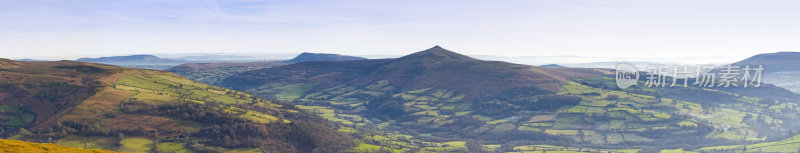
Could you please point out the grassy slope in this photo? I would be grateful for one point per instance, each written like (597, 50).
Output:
(73, 141)
(136, 145)
(21, 146)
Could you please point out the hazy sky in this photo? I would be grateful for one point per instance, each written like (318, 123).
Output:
(627, 28)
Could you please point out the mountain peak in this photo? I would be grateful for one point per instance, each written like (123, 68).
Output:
(439, 53)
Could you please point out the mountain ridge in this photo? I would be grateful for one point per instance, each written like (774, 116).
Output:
(145, 61)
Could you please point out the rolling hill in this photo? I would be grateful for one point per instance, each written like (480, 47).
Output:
(438, 94)
(78, 104)
(211, 73)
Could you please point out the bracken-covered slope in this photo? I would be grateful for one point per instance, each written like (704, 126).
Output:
(132, 110)
(438, 94)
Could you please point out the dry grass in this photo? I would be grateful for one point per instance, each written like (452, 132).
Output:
(14, 146)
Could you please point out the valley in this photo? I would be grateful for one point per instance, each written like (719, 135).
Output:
(572, 107)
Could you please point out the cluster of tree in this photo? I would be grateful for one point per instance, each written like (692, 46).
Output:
(553, 102)
(385, 107)
(208, 113)
(606, 84)
(521, 96)
(83, 68)
(61, 95)
(246, 134)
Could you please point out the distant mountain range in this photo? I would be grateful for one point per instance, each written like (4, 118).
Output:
(307, 57)
(157, 63)
(553, 66)
(136, 61)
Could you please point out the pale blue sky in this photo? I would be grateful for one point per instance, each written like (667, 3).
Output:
(616, 28)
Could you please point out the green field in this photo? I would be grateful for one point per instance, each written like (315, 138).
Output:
(174, 147)
(105, 143)
(11, 116)
(245, 150)
(139, 145)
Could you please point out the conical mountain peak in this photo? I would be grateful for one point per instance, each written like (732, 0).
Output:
(439, 53)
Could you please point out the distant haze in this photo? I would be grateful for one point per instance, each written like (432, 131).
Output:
(647, 30)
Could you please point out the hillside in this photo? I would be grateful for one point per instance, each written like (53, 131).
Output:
(136, 61)
(307, 57)
(438, 94)
(133, 110)
(21, 146)
(211, 73)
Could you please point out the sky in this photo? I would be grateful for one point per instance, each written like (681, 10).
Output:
(647, 29)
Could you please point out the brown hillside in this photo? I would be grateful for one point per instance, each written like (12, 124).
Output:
(86, 99)
(49, 88)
